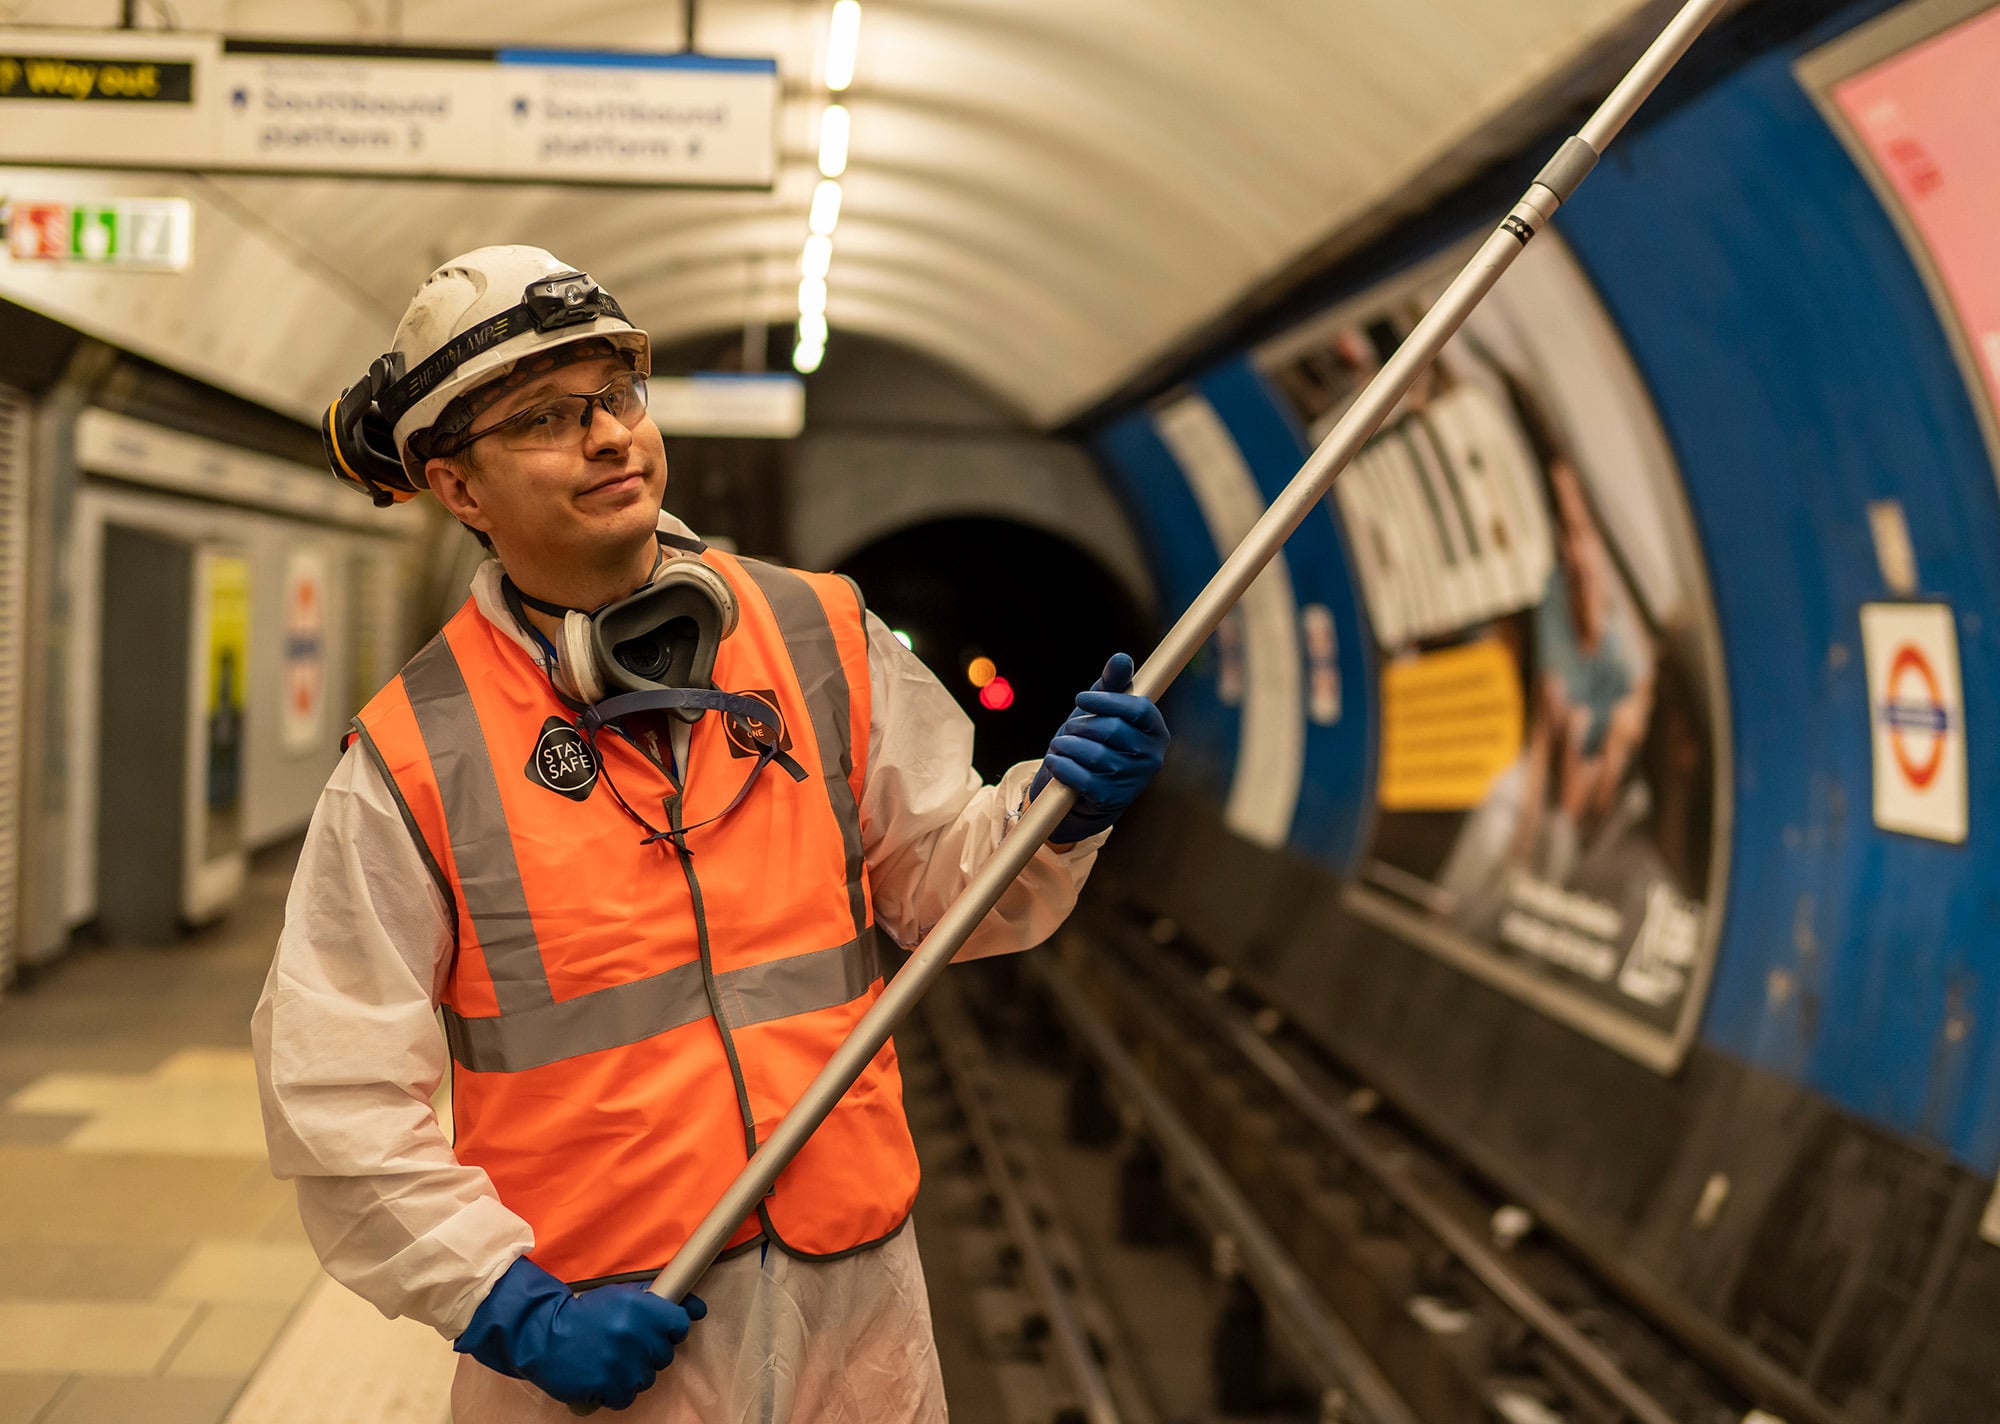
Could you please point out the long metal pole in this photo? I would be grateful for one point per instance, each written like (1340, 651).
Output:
(1551, 187)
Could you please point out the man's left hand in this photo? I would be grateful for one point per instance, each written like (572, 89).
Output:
(1106, 752)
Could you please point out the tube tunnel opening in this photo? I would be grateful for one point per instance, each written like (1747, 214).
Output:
(1042, 611)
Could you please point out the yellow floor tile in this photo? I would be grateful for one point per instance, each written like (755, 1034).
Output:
(91, 1337)
(51, 1194)
(229, 1340)
(142, 1401)
(283, 1223)
(339, 1361)
(233, 1066)
(200, 1102)
(71, 1270)
(24, 1397)
(242, 1271)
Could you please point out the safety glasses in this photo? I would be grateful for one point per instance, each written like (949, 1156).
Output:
(560, 422)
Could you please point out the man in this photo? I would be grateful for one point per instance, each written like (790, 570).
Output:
(645, 929)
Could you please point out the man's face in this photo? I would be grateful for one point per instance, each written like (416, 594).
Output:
(592, 494)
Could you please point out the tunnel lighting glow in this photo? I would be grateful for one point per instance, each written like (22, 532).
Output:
(817, 257)
(812, 296)
(825, 208)
(997, 695)
(812, 329)
(980, 671)
(842, 35)
(806, 359)
(833, 130)
(904, 638)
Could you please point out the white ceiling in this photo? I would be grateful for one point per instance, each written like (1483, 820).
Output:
(1044, 194)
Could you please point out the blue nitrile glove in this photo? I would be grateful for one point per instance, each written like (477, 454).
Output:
(1106, 752)
(601, 1347)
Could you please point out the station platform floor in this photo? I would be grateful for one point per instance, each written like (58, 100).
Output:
(151, 1269)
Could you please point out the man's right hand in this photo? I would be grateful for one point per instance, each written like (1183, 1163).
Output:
(602, 1347)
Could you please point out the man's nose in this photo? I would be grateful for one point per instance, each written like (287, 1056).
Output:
(606, 434)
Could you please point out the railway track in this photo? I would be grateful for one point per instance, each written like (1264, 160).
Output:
(1057, 1352)
(1473, 1308)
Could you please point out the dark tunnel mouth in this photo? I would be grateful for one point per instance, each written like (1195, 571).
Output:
(1047, 612)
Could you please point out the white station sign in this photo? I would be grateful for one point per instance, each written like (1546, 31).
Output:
(769, 405)
(305, 650)
(1916, 715)
(202, 102)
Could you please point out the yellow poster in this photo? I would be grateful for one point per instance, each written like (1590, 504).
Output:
(1451, 723)
(226, 580)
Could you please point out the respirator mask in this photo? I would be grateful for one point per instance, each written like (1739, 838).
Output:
(661, 639)
(654, 651)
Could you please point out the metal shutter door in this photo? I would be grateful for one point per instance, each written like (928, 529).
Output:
(14, 412)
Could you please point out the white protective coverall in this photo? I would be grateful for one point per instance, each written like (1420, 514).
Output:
(350, 1055)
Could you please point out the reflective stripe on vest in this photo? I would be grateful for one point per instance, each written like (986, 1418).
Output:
(628, 1018)
(817, 661)
(533, 1030)
(612, 1018)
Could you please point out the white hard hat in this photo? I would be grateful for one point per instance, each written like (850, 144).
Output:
(457, 306)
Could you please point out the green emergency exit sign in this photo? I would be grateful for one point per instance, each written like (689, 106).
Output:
(142, 234)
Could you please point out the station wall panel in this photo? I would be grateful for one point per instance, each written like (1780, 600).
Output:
(1803, 375)
(1793, 368)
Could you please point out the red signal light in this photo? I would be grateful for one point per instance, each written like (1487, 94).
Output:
(997, 695)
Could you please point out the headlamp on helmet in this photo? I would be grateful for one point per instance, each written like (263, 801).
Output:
(451, 341)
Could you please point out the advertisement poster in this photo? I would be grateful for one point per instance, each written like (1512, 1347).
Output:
(1923, 115)
(225, 580)
(303, 689)
(1551, 759)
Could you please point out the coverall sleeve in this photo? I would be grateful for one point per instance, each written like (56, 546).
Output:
(928, 822)
(349, 1056)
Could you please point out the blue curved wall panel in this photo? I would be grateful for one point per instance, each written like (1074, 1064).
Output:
(1183, 559)
(1802, 371)
(1336, 792)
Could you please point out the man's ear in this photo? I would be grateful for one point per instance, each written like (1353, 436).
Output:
(449, 481)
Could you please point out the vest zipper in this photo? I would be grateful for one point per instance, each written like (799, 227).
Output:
(708, 983)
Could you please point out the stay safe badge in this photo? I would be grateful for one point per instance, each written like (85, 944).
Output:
(562, 761)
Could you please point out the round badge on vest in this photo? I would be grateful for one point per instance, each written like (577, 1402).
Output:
(746, 734)
(562, 761)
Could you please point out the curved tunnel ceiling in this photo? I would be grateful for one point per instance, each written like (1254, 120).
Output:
(1046, 195)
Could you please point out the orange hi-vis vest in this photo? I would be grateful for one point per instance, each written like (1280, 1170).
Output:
(628, 1020)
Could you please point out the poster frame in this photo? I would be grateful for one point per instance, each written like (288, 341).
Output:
(1862, 48)
(1661, 1050)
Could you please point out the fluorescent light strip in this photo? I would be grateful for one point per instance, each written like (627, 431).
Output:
(812, 329)
(834, 125)
(817, 258)
(843, 32)
(825, 208)
(806, 359)
(812, 296)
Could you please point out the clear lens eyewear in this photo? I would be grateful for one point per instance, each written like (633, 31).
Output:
(560, 423)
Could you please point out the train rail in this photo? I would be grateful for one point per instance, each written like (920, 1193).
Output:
(1473, 1309)
(1067, 1360)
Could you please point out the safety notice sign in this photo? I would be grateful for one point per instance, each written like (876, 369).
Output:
(1916, 717)
(305, 651)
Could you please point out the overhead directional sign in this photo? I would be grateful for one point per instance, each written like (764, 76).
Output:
(517, 115)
